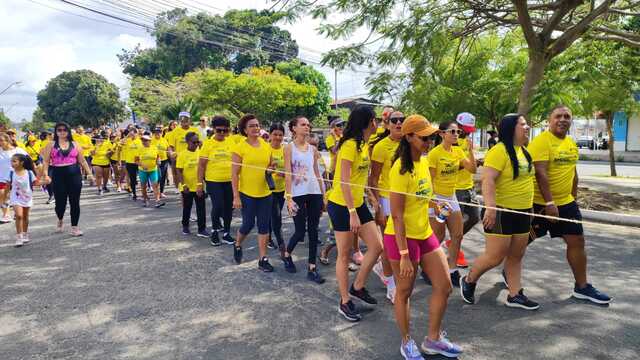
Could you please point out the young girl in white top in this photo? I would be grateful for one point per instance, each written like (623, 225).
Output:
(21, 181)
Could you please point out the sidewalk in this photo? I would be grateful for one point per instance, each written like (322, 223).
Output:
(623, 186)
(603, 155)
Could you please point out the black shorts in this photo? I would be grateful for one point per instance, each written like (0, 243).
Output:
(103, 166)
(113, 162)
(542, 226)
(339, 216)
(508, 223)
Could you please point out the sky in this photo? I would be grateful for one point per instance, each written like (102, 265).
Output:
(43, 38)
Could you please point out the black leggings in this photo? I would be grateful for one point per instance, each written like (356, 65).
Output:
(164, 166)
(276, 216)
(221, 195)
(49, 187)
(132, 170)
(307, 220)
(187, 204)
(66, 182)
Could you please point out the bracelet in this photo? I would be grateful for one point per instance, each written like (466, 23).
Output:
(288, 196)
(404, 252)
(352, 210)
(550, 203)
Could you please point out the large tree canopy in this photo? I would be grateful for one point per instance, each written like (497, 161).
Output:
(239, 40)
(81, 98)
(405, 28)
(4, 119)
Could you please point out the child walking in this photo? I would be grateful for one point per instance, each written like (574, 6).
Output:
(22, 179)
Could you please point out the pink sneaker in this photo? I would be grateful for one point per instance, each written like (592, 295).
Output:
(75, 231)
(357, 257)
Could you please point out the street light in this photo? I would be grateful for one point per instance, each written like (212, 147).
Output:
(9, 87)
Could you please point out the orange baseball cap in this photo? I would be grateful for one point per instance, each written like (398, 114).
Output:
(419, 125)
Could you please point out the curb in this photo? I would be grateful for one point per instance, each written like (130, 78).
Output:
(599, 217)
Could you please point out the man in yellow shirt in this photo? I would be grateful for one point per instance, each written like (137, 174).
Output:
(332, 140)
(176, 138)
(162, 145)
(555, 156)
(192, 190)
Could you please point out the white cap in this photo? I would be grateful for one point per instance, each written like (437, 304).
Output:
(467, 121)
(184, 114)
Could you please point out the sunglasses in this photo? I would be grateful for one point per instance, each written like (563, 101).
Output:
(339, 125)
(428, 138)
(222, 130)
(454, 131)
(396, 120)
(61, 130)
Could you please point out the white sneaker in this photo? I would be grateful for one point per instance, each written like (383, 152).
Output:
(377, 269)
(19, 240)
(5, 219)
(25, 238)
(391, 293)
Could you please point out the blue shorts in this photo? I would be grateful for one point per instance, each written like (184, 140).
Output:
(151, 176)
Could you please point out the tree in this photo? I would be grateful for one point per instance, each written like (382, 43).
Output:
(149, 97)
(609, 75)
(81, 98)
(549, 28)
(38, 122)
(4, 119)
(305, 74)
(239, 40)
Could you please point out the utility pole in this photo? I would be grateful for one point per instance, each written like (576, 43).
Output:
(9, 87)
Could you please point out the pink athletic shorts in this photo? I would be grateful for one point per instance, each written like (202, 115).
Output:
(417, 248)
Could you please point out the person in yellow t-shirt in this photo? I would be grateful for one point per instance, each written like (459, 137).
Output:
(465, 192)
(555, 156)
(384, 149)
(408, 239)
(348, 212)
(130, 147)
(85, 141)
(162, 145)
(114, 159)
(507, 183)
(176, 138)
(32, 147)
(276, 135)
(331, 142)
(251, 164)
(192, 190)
(100, 154)
(445, 161)
(147, 159)
(214, 170)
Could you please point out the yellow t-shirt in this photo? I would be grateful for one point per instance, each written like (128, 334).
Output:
(176, 138)
(252, 179)
(383, 152)
(465, 178)
(131, 148)
(236, 138)
(418, 182)
(188, 162)
(562, 155)
(100, 157)
(85, 141)
(117, 150)
(33, 150)
(359, 172)
(162, 145)
(513, 194)
(148, 157)
(277, 157)
(44, 144)
(447, 165)
(331, 141)
(218, 154)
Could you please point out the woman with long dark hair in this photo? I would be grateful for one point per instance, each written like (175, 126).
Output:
(507, 182)
(7, 150)
(409, 240)
(251, 160)
(445, 162)
(130, 147)
(65, 157)
(349, 213)
(304, 194)
(276, 135)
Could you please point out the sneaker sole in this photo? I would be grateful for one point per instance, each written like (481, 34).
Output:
(228, 242)
(214, 244)
(203, 235)
(520, 306)
(585, 297)
(462, 294)
(438, 352)
(265, 270)
(349, 318)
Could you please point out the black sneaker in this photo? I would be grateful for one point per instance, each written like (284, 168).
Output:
(425, 277)
(214, 239)
(186, 231)
(237, 254)
(314, 275)
(590, 293)
(455, 278)
(363, 295)
(159, 204)
(289, 266)
(134, 198)
(521, 301)
(467, 290)
(271, 244)
(227, 239)
(105, 190)
(349, 311)
(204, 233)
(263, 264)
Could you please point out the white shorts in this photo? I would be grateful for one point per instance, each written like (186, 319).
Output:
(452, 200)
(386, 206)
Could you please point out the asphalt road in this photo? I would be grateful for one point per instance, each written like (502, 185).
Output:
(134, 287)
(591, 168)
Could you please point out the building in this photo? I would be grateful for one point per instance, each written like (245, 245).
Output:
(350, 103)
